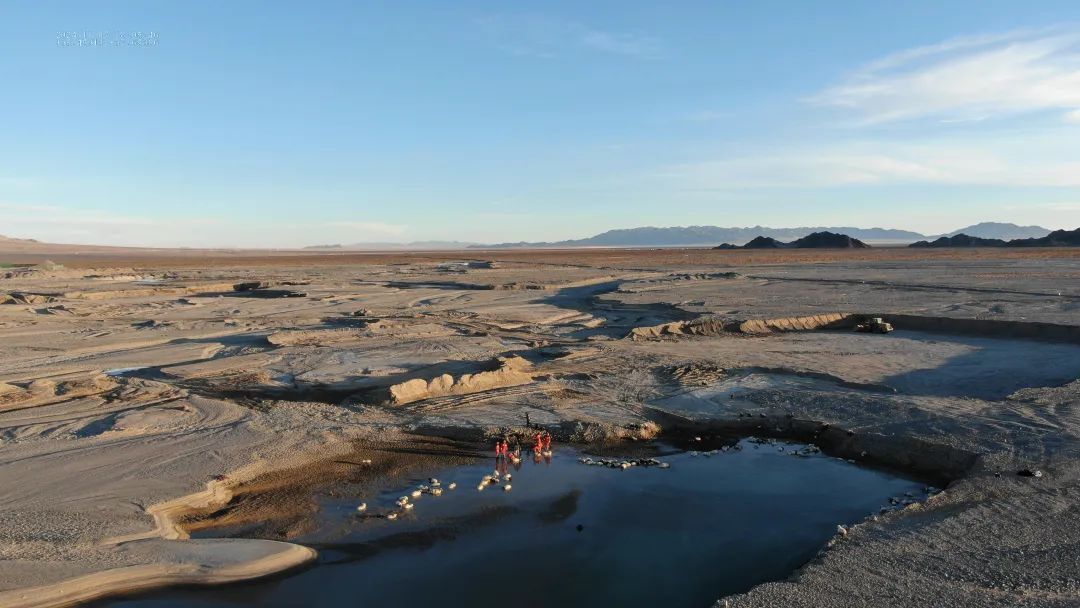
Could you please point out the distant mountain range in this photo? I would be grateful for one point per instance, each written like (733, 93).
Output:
(415, 245)
(689, 236)
(998, 230)
(8, 239)
(982, 234)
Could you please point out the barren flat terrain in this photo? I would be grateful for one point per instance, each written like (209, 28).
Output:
(147, 395)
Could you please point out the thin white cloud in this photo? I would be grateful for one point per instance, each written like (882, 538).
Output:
(547, 38)
(29, 208)
(966, 79)
(1024, 163)
(52, 215)
(68, 224)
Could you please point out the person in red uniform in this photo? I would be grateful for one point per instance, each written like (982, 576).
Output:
(547, 442)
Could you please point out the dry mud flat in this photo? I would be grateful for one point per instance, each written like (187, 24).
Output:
(138, 403)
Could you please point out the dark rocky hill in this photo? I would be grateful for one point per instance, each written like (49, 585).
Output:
(960, 240)
(1057, 238)
(764, 242)
(828, 240)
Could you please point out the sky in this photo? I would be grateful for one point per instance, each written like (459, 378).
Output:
(286, 124)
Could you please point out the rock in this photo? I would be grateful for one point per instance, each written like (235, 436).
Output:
(510, 371)
(707, 325)
(19, 297)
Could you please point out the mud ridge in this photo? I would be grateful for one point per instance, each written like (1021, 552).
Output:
(931, 287)
(990, 328)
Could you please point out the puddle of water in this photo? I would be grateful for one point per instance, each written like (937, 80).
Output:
(123, 371)
(572, 535)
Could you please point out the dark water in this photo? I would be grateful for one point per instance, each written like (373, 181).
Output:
(683, 536)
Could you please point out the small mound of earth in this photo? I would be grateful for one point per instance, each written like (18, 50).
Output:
(697, 373)
(313, 337)
(152, 420)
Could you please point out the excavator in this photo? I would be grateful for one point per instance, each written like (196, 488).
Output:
(874, 325)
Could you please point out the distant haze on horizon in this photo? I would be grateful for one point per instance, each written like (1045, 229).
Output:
(275, 124)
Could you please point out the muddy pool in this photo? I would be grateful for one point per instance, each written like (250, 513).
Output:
(710, 523)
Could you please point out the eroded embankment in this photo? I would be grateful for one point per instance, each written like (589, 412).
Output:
(133, 579)
(710, 325)
(187, 562)
(1027, 330)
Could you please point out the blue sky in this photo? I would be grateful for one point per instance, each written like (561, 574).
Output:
(289, 124)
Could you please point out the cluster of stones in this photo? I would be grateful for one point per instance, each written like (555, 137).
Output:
(614, 463)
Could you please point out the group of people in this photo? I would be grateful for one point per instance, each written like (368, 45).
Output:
(543, 442)
(502, 450)
(541, 446)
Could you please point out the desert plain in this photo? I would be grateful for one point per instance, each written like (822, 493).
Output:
(147, 395)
